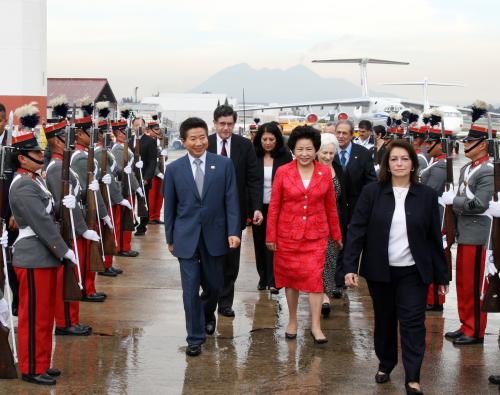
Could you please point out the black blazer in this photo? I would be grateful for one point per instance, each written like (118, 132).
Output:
(280, 160)
(248, 178)
(368, 232)
(359, 172)
(149, 156)
(342, 199)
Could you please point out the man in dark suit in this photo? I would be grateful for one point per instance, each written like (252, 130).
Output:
(248, 179)
(147, 162)
(358, 170)
(201, 221)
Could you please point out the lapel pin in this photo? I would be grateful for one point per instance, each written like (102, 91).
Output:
(212, 167)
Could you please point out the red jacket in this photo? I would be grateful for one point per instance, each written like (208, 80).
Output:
(297, 213)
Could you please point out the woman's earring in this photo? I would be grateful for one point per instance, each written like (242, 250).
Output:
(412, 169)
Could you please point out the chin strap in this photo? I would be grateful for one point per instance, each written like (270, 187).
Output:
(433, 146)
(39, 162)
(473, 147)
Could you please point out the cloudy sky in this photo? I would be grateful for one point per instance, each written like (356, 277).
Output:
(171, 46)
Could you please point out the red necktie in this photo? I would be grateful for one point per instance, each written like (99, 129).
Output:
(223, 151)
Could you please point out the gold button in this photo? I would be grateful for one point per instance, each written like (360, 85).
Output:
(305, 196)
(304, 218)
(305, 207)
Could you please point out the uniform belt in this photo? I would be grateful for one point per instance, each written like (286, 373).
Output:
(25, 232)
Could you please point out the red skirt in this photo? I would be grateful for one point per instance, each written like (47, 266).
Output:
(299, 264)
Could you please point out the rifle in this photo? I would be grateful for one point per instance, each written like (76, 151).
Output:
(8, 356)
(142, 203)
(491, 300)
(72, 285)
(449, 217)
(108, 235)
(96, 259)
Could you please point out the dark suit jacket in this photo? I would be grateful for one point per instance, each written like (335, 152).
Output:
(248, 177)
(149, 155)
(342, 199)
(277, 162)
(368, 233)
(359, 172)
(215, 214)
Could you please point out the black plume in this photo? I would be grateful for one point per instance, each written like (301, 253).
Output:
(125, 113)
(389, 121)
(406, 116)
(413, 117)
(426, 118)
(479, 108)
(435, 119)
(256, 120)
(155, 117)
(30, 121)
(88, 109)
(61, 110)
(104, 112)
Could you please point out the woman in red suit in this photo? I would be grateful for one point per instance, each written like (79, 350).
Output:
(302, 214)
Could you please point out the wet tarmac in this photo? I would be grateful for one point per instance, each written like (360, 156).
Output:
(138, 342)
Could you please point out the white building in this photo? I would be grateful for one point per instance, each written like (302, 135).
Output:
(23, 53)
(179, 106)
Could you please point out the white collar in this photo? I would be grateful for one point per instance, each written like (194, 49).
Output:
(219, 139)
(203, 158)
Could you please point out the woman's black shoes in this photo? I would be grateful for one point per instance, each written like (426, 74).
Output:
(325, 310)
(290, 336)
(274, 290)
(261, 287)
(319, 341)
(412, 391)
(337, 292)
(381, 377)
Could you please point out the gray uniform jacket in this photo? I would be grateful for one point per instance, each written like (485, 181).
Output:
(31, 204)
(434, 176)
(79, 166)
(111, 168)
(117, 151)
(53, 180)
(474, 194)
(422, 162)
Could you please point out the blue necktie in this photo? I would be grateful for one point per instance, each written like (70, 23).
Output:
(343, 159)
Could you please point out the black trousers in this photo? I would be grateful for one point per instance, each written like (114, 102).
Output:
(401, 300)
(144, 220)
(231, 269)
(263, 257)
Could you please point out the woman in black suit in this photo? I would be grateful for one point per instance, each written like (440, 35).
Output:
(271, 154)
(397, 228)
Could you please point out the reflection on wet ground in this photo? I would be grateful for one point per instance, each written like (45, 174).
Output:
(139, 341)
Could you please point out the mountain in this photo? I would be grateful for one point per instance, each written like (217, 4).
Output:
(295, 84)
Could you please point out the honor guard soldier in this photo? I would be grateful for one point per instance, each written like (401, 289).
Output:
(474, 193)
(434, 176)
(67, 312)
(113, 187)
(130, 186)
(79, 159)
(38, 252)
(156, 192)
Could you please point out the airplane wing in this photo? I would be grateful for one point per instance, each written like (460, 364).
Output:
(346, 102)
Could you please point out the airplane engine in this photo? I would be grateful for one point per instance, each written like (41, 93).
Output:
(312, 118)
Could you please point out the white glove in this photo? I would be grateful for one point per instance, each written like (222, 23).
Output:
(490, 263)
(160, 176)
(127, 169)
(377, 168)
(4, 240)
(164, 152)
(69, 201)
(70, 255)
(4, 312)
(94, 186)
(91, 235)
(447, 197)
(139, 192)
(139, 164)
(107, 221)
(494, 208)
(125, 203)
(106, 179)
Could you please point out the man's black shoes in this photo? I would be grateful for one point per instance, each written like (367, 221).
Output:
(494, 379)
(210, 327)
(109, 272)
(130, 254)
(454, 334)
(156, 222)
(53, 372)
(467, 340)
(94, 298)
(226, 311)
(77, 330)
(193, 350)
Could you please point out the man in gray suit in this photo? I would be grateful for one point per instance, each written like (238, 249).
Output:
(201, 224)
(475, 190)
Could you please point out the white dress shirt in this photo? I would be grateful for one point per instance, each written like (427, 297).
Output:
(203, 159)
(268, 183)
(219, 145)
(399, 248)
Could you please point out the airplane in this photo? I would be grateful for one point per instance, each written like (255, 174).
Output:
(374, 109)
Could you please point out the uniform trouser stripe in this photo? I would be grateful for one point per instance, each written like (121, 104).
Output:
(477, 285)
(32, 322)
